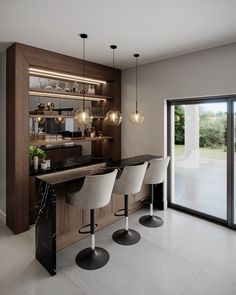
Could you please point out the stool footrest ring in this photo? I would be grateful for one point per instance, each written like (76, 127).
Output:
(116, 213)
(81, 231)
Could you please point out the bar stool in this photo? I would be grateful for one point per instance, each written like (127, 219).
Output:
(95, 193)
(128, 183)
(155, 174)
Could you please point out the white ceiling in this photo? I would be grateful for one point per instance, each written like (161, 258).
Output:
(157, 29)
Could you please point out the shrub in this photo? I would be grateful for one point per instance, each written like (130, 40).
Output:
(212, 131)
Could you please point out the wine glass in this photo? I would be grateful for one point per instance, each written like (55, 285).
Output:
(48, 86)
(39, 83)
(58, 88)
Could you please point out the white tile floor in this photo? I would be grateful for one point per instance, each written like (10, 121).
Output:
(185, 256)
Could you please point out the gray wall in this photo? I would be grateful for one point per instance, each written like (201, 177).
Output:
(3, 136)
(209, 72)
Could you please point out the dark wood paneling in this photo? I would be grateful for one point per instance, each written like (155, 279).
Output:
(32, 199)
(51, 60)
(62, 153)
(17, 169)
(19, 58)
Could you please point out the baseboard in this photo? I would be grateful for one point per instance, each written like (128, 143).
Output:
(2, 216)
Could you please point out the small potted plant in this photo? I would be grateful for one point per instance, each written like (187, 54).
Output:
(36, 154)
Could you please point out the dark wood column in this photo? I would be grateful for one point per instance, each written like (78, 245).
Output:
(17, 162)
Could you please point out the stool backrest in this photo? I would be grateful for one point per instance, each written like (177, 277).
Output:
(131, 179)
(156, 171)
(95, 192)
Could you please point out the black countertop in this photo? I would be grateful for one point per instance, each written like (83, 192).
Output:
(131, 161)
(70, 163)
(94, 166)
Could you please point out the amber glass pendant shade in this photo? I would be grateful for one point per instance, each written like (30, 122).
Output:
(40, 120)
(60, 120)
(136, 118)
(113, 118)
(83, 117)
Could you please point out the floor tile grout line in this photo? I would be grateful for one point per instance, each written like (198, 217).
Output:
(176, 254)
(197, 275)
(74, 283)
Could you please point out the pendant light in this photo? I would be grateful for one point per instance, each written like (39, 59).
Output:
(60, 119)
(82, 115)
(40, 119)
(136, 117)
(113, 117)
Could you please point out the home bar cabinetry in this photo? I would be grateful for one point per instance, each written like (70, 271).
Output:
(20, 59)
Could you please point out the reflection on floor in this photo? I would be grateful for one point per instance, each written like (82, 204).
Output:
(201, 185)
(185, 256)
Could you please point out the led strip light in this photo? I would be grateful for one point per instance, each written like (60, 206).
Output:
(66, 96)
(68, 77)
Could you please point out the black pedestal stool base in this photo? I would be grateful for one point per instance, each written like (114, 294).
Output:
(92, 259)
(126, 237)
(151, 221)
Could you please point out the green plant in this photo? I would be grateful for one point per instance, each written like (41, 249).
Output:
(34, 151)
(41, 153)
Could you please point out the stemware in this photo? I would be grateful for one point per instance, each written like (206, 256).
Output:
(67, 87)
(39, 83)
(48, 86)
(58, 88)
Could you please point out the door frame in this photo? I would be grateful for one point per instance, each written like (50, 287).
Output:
(229, 99)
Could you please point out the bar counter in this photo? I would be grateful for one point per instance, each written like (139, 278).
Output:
(57, 223)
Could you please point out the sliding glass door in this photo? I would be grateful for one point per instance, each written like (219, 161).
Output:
(202, 144)
(233, 204)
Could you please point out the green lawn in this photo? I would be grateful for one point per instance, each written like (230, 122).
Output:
(219, 154)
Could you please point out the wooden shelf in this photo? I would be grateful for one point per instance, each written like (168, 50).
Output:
(57, 116)
(66, 95)
(64, 141)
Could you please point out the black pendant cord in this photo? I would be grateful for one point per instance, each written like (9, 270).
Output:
(83, 58)
(113, 47)
(113, 73)
(136, 103)
(83, 72)
(83, 36)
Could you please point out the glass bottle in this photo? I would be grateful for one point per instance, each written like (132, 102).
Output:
(75, 88)
(67, 87)
(89, 89)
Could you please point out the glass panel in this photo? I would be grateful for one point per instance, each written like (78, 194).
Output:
(234, 107)
(199, 167)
